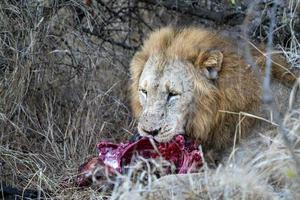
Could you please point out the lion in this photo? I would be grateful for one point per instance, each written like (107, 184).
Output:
(190, 81)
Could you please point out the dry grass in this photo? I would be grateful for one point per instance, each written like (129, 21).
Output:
(62, 90)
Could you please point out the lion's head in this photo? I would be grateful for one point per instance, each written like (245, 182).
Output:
(166, 98)
(178, 83)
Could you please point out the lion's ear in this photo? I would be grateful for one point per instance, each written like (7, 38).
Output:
(210, 62)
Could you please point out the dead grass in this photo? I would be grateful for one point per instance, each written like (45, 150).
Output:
(61, 91)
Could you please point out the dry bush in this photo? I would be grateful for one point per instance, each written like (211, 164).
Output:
(61, 91)
(63, 87)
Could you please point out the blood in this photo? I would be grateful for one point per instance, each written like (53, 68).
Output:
(115, 158)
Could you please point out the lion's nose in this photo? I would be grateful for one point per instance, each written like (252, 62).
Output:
(153, 132)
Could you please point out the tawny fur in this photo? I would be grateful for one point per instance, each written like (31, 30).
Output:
(237, 89)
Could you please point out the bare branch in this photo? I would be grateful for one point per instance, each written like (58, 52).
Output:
(221, 17)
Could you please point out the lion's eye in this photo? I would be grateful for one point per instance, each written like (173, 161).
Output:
(171, 95)
(144, 92)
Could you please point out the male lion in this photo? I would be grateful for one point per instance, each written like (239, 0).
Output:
(190, 81)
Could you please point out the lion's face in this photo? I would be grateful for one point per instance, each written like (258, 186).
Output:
(185, 81)
(166, 97)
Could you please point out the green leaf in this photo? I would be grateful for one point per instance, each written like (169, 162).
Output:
(291, 173)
